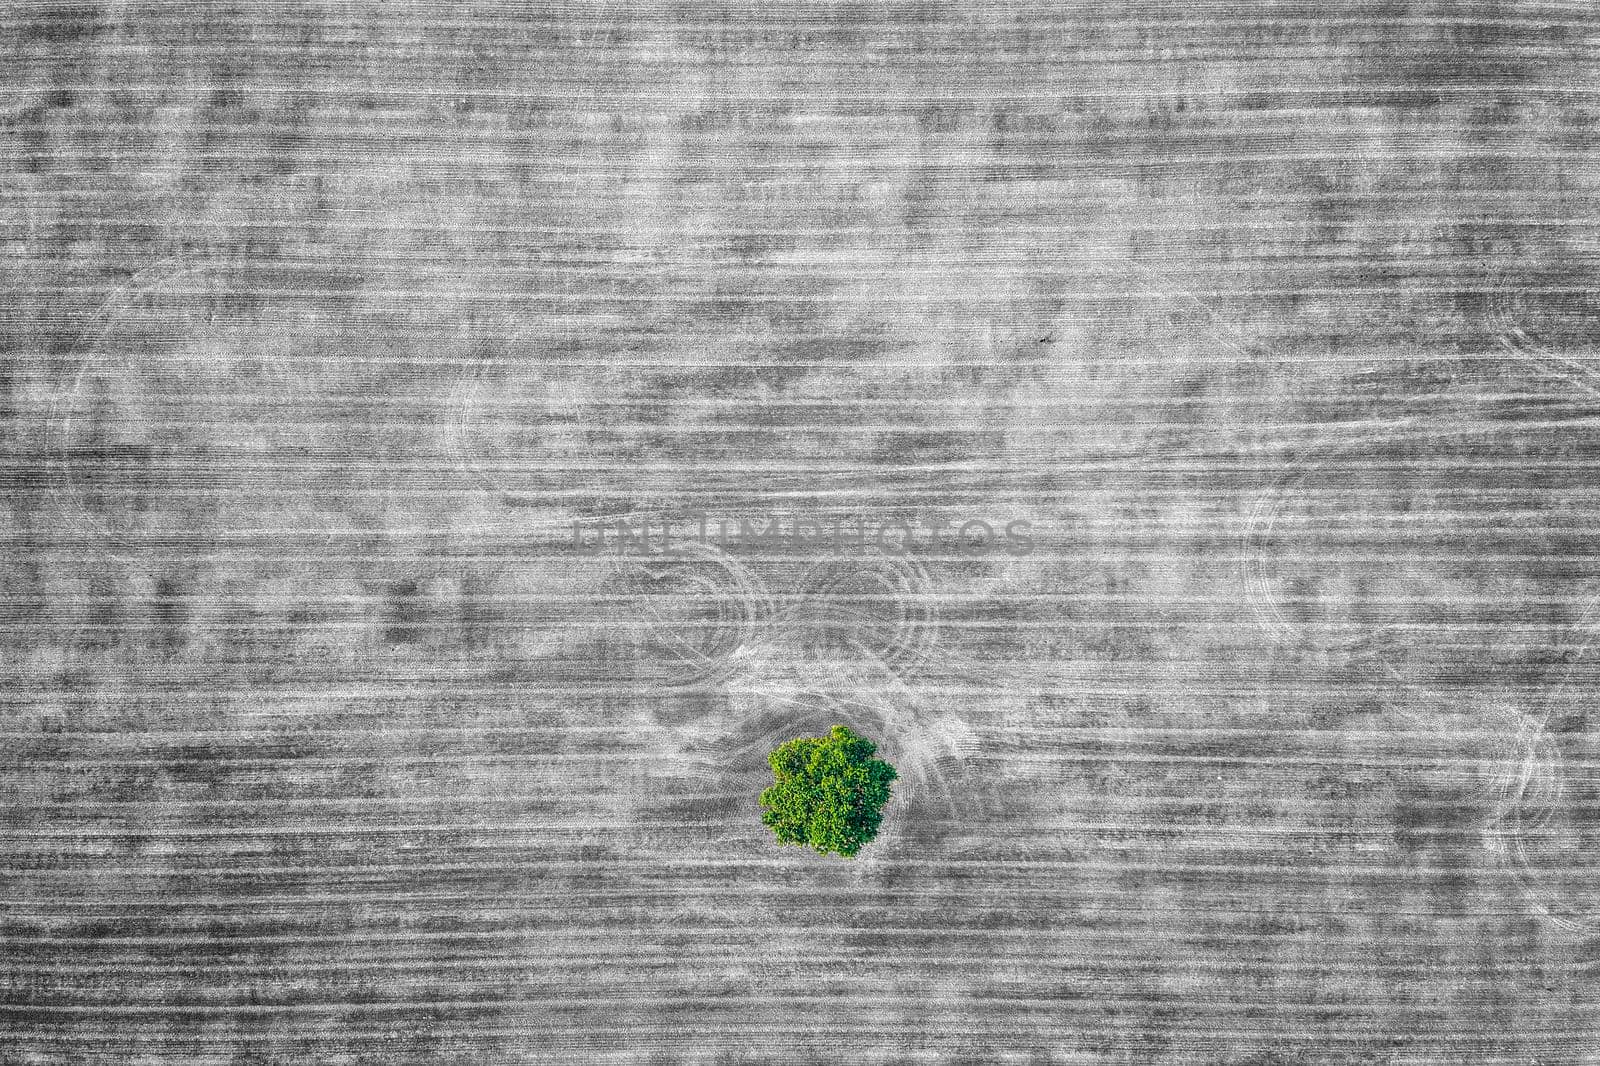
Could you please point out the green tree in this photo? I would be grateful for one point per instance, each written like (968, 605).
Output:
(829, 792)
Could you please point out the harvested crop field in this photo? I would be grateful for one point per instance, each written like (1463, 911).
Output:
(446, 448)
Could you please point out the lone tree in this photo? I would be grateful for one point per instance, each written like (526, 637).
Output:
(829, 792)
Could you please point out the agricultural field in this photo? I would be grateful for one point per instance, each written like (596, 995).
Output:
(448, 448)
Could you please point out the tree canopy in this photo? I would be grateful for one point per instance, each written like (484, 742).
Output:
(828, 792)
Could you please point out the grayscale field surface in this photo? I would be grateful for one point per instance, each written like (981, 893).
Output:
(324, 741)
